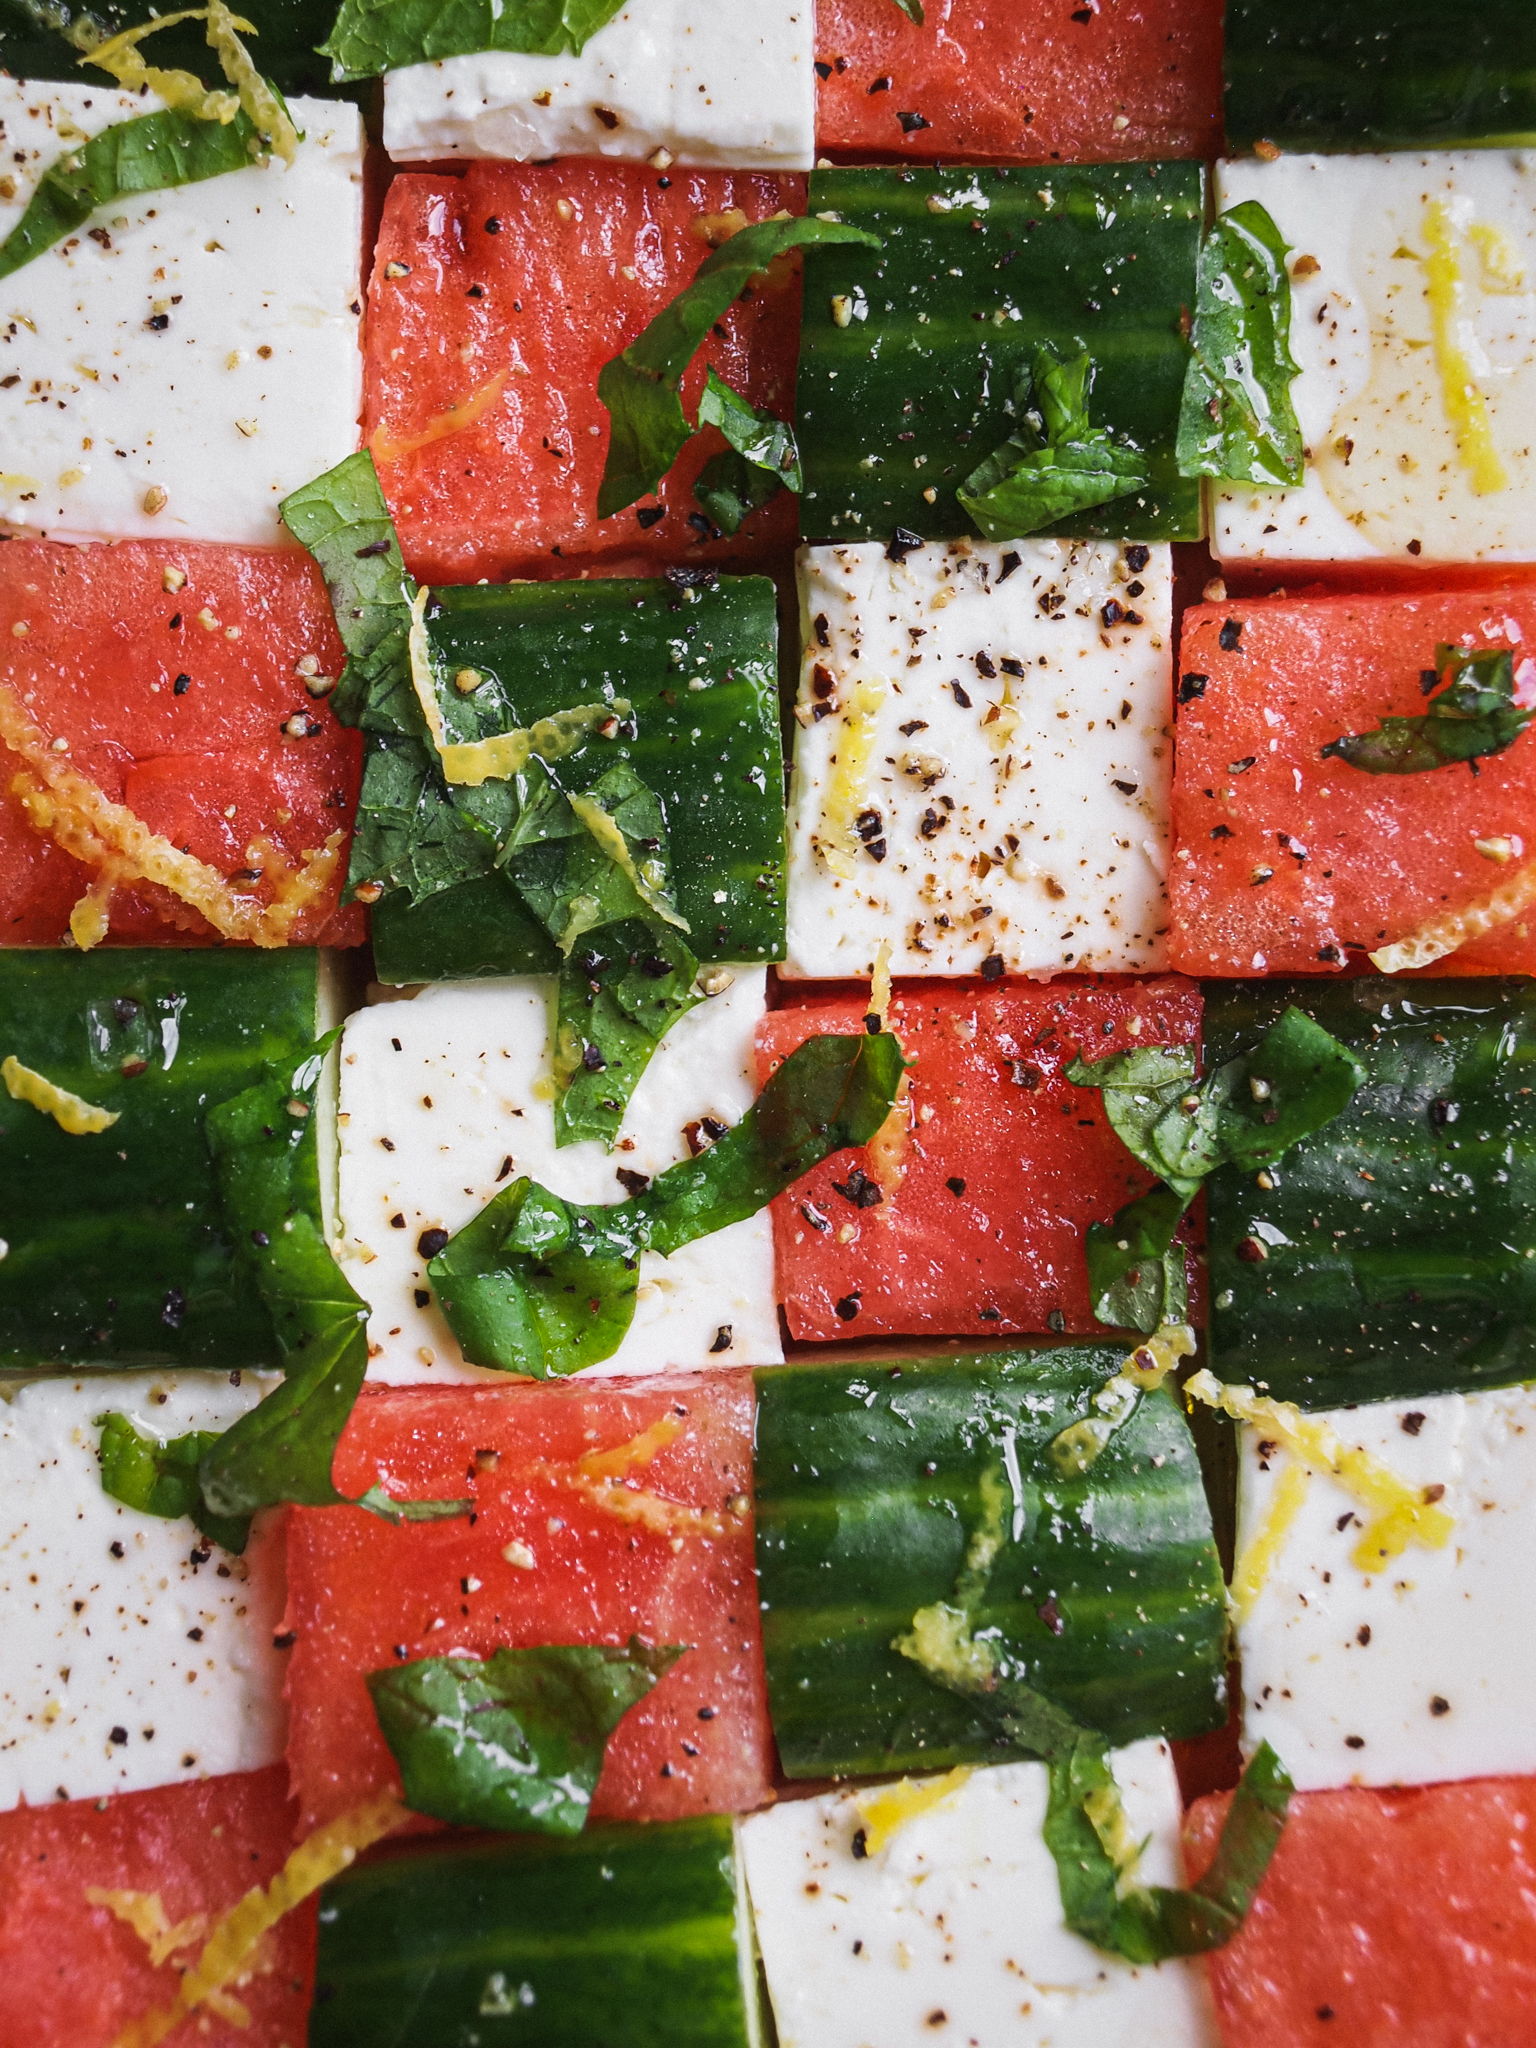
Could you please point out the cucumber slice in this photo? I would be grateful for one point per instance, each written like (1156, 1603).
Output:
(117, 1255)
(1394, 1254)
(621, 1937)
(1106, 1594)
(908, 369)
(1379, 74)
(32, 45)
(711, 754)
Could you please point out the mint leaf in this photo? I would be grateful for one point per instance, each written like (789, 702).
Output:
(1054, 463)
(640, 385)
(160, 1478)
(762, 455)
(1236, 419)
(343, 521)
(540, 1285)
(514, 1740)
(371, 36)
(1475, 714)
(1136, 1273)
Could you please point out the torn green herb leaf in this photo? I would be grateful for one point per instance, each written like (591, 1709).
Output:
(1236, 418)
(161, 1478)
(1481, 708)
(761, 456)
(1054, 463)
(1249, 1111)
(373, 36)
(540, 1285)
(912, 9)
(514, 1740)
(640, 386)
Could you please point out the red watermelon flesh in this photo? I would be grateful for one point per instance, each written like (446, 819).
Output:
(1284, 861)
(98, 665)
(360, 1592)
(536, 274)
(1005, 1163)
(1038, 81)
(73, 1974)
(1402, 1919)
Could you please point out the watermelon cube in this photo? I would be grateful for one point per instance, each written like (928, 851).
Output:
(600, 1512)
(176, 679)
(1286, 862)
(496, 299)
(1385, 1918)
(969, 1211)
(1032, 82)
(86, 1888)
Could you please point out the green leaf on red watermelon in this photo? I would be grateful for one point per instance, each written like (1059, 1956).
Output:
(640, 386)
(912, 9)
(514, 1740)
(373, 36)
(1477, 711)
(761, 456)
(1236, 419)
(1053, 464)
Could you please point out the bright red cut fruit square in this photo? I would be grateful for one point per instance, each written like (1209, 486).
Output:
(1036, 81)
(184, 704)
(1386, 1920)
(496, 298)
(1285, 862)
(655, 1541)
(74, 1974)
(968, 1214)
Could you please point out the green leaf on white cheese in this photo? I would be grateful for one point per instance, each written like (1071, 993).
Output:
(374, 36)
(161, 1478)
(1236, 419)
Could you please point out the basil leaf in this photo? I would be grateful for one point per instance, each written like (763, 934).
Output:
(379, 1503)
(1054, 463)
(640, 385)
(1236, 418)
(160, 1478)
(152, 153)
(620, 992)
(1474, 714)
(343, 521)
(728, 488)
(540, 1285)
(912, 9)
(1136, 1273)
(371, 36)
(514, 1740)
(765, 441)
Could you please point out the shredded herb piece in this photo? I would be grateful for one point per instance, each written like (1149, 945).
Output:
(161, 1478)
(640, 385)
(1481, 708)
(1053, 463)
(761, 458)
(372, 36)
(912, 9)
(540, 1285)
(1236, 419)
(1295, 1080)
(515, 1740)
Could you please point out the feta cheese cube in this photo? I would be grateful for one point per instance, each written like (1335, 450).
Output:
(447, 1097)
(952, 1931)
(136, 1653)
(708, 84)
(1424, 1670)
(1414, 280)
(982, 759)
(180, 365)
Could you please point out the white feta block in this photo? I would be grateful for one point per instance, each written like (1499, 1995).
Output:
(1369, 235)
(983, 758)
(446, 1097)
(135, 1653)
(953, 1931)
(1424, 1670)
(710, 84)
(251, 385)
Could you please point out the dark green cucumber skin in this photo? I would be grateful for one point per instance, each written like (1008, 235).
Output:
(945, 378)
(867, 1494)
(625, 1935)
(284, 48)
(1418, 1280)
(1379, 74)
(546, 646)
(102, 1228)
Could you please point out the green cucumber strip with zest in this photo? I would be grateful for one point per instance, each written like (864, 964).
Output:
(1237, 419)
(1474, 713)
(1433, 1289)
(45, 39)
(515, 1740)
(1053, 464)
(634, 1937)
(373, 36)
(1096, 1597)
(539, 1285)
(1244, 1114)
(160, 1478)
(640, 385)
